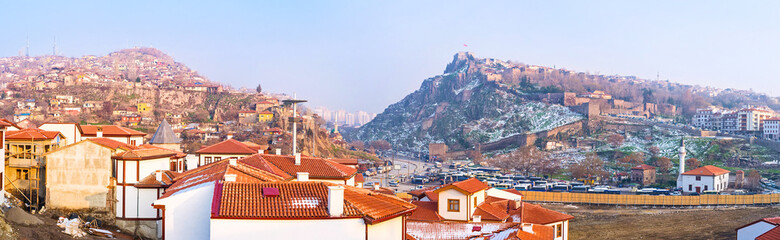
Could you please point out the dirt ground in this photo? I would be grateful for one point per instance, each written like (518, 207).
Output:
(49, 230)
(610, 222)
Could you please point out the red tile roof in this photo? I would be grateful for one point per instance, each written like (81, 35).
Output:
(426, 211)
(772, 234)
(151, 179)
(643, 167)
(469, 186)
(111, 143)
(303, 200)
(774, 220)
(258, 162)
(432, 196)
(31, 134)
(708, 170)
(5, 123)
(359, 178)
(492, 211)
(230, 146)
(216, 171)
(145, 152)
(345, 161)
(266, 112)
(540, 232)
(109, 131)
(429, 230)
(318, 168)
(538, 215)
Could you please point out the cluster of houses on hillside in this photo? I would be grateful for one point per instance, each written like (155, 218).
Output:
(749, 120)
(239, 190)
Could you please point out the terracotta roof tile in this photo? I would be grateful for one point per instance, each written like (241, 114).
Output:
(345, 161)
(433, 196)
(258, 162)
(643, 167)
(230, 146)
(151, 179)
(109, 130)
(427, 230)
(471, 185)
(216, 171)
(111, 143)
(303, 200)
(316, 167)
(360, 178)
(426, 211)
(708, 170)
(540, 232)
(774, 220)
(31, 134)
(772, 234)
(538, 215)
(148, 152)
(492, 212)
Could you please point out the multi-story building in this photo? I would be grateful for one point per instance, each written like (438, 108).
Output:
(772, 129)
(747, 120)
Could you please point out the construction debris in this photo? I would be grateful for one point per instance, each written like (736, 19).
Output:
(71, 227)
(101, 233)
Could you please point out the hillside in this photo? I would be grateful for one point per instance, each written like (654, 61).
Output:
(466, 105)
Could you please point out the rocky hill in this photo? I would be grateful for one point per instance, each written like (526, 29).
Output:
(472, 102)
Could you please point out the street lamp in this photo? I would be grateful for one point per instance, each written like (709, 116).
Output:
(294, 119)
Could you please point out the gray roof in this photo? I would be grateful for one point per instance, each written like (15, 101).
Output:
(164, 134)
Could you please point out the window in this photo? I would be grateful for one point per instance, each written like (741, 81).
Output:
(132, 142)
(698, 178)
(217, 159)
(705, 187)
(207, 160)
(174, 166)
(475, 201)
(453, 205)
(22, 174)
(690, 187)
(559, 230)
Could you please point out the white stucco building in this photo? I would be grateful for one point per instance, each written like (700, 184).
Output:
(223, 150)
(707, 178)
(232, 199)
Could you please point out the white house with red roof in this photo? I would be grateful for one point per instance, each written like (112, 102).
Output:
(136, 190)
(473, 203)
(75, 132)
(235, 199)
(763, 229)
(230, 148)
(707, 178)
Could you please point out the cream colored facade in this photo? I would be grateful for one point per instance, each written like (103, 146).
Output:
(206, 158)
(79, 176)
(466, 204)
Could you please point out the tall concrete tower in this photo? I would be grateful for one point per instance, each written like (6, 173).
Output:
(682, 162)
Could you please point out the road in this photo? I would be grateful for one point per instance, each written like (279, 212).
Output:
(406, 168)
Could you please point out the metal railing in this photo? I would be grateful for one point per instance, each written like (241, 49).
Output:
(650, 200)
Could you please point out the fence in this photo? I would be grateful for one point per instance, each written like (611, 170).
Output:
(650, 200)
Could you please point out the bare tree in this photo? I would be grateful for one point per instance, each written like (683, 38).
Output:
(591, 167)
(663, 164)
(692, 163)
(615, 140)
(357, 144)
(381, 145)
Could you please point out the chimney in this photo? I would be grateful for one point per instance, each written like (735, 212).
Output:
(230, 177)
(260, 151)
(376, 186)
(335, 201)
(303, 176)
(476, 218)
(278, 151)
(159, 176)
(297, 159)
(527, 227)
(233, 161)
(516, 204)
(99, 132)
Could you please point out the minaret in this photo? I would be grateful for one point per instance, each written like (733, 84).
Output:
(682, 162)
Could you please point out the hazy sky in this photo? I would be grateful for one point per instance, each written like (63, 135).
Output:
(365, 55)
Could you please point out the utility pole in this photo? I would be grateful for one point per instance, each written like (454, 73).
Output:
(294, 119)
(27, 49)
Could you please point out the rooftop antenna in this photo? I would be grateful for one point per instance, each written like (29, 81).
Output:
(658, 76)
(27, 49)
(54, 49)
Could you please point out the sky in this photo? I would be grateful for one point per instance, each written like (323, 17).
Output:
(365, 55)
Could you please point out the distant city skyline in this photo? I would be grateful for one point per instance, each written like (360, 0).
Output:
(367, 55)
(343, 117)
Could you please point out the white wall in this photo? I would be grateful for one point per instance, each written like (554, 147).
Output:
(149, 166)
(753, 231)
(390, 229)
(188, 213)
(709, 181)
(71, 133)
(342, 229)
(565, 226)
(202, 161)
(503, 194)
(452, 194)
